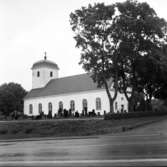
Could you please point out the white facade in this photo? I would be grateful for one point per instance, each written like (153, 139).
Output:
(78, 99)
(42, 75)
(44, 71)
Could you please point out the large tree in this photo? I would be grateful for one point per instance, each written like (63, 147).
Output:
(93, 34)
(116, 41)
(11, 98)
(153, 75)
(142, 36)
(161, 79)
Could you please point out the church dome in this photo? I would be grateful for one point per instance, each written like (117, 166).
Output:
(44, 63)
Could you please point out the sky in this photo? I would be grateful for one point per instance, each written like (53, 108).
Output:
(31, 27)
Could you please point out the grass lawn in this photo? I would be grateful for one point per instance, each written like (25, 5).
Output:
(58, 128)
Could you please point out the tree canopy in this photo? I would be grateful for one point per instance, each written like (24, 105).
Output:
(11, 98)
(142, 36)
(93, 34)
(124, 41)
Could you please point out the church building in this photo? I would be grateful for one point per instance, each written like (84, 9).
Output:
(78, 93)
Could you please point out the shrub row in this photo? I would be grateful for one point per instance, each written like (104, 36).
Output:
(134, 114)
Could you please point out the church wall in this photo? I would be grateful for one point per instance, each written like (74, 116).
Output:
(77, 97)
(121, 100)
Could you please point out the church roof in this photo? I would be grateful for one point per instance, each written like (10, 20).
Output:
(71, 84)
(44, 63)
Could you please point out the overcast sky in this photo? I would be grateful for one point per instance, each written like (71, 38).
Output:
(31, 27)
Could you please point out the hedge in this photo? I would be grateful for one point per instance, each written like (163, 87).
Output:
(134, 114)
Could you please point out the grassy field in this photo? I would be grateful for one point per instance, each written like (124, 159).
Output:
(59, 128)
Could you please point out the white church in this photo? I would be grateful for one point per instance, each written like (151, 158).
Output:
(79, 93)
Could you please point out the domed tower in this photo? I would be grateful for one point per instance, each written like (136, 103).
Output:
(42, 72)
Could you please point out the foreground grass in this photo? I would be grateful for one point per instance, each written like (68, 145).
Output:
(59, 128)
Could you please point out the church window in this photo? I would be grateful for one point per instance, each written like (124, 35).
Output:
(51, 74)
(40, 108)
(60, 105)
(116, 105)
(98, 103)
(72, 105)
(84, 103)
(38, 74)
(50, 107)
(30, 109)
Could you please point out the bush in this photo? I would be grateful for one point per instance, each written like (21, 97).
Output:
(29, 130)
(2, 117)
(135, 114)
(17, 130)
(3, 131)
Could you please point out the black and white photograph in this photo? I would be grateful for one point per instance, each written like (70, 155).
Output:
(83, 83)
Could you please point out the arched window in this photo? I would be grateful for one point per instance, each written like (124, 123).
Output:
(85, 104)
(30, 109)
(39, 108)
(51, 74)
(60, 105)
(50, 107)
(38, 74)
(98, 103)
(116, 106)
(72, 105)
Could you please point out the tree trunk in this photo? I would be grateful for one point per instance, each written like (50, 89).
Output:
(130, 105)
(111, 100)
(111, 106)
(148, 105)
(149, 102)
